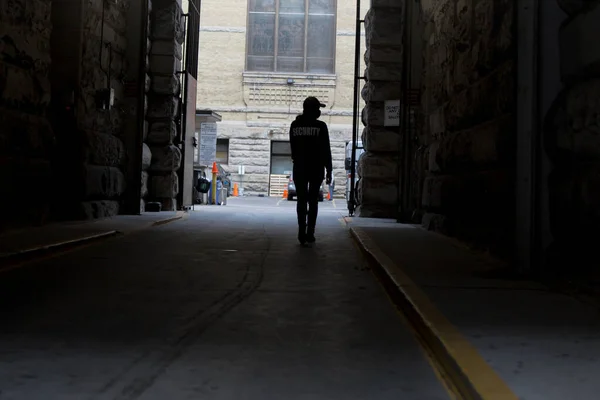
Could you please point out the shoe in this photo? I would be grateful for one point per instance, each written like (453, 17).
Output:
(310, 235)
(302, 235)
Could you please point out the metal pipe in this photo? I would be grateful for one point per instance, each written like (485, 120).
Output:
(352, 200)
(404, 123)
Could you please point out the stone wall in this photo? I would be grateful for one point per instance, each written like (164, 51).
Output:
(164, 117)
(26, 136)
(377, 169)
(467, 120)
(572, 142)
(251, 147)
(103, 153)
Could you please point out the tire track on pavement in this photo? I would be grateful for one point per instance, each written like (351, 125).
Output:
(144, 371)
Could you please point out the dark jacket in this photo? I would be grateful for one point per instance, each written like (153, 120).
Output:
(309, 140)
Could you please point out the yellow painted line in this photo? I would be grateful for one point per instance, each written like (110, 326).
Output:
(333, 203)
(471, 375)
(342, 221)
(279, 202)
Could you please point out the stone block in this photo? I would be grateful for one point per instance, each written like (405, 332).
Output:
(376, 211)
(572, 7)
(383, 27)
(162, 107)
(164, 65)
(397, 4)
(103, 182)
(572, 127)
(384, 54)
(377, 71)
(373, 114)
(383, 168)
(381, 91)
(165, 158)
(437, 223)
(144, 186)
(167, 85)
(579, 52)
(432, 151)
(489, 144)
(30, 134)
(23, 89)
(468, 194)
(147, 83)
(167, 48)
(489, 98)
(380, 139)
(377, 193)
(167, 22)
(164, 186)
(574, 195)
(98, 209)
(103, 149)
(162, 133)
(146, 157)
(168, 204)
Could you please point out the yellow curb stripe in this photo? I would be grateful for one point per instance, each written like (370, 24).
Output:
(471, 374)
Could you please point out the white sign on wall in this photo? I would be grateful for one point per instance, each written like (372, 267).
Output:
(391, 113)
(208, 143)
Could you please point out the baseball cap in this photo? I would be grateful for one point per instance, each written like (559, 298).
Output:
(312, 103)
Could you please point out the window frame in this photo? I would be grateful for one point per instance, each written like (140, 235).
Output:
(276, 43)
(223, 142)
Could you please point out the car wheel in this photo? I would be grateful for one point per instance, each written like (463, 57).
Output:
(290, 197)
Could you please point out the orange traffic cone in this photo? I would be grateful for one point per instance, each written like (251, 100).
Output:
(328, 196)
(285, 193)
(235, 190)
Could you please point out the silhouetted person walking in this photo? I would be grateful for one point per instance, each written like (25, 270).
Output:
(311, 154)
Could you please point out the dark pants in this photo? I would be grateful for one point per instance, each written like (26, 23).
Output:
(307, 190)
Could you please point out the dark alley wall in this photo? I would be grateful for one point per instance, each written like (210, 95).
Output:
(104, 153)
(91, 144)
(61, 155)
(26, 136)
(571, 139)
(466, 121)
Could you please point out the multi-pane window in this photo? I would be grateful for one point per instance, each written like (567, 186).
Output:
(291, 36)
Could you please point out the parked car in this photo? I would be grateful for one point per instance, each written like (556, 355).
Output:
(359, 151)
(292, 189)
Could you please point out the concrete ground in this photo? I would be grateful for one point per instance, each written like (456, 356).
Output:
(223, 304)
(542, 344)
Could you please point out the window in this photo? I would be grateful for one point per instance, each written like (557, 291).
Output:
(223, 151)
(281, 158)
(291, 36)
